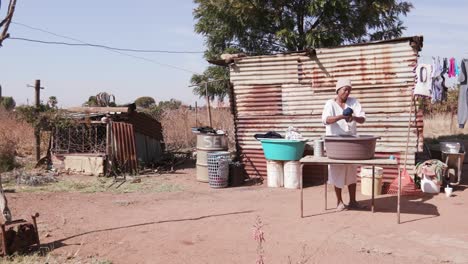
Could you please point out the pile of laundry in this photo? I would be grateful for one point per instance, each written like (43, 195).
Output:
(291, 133)
(207, 130)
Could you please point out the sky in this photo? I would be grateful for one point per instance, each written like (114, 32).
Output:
(72, 74)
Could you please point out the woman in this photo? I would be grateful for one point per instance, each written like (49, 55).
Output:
(340, 116)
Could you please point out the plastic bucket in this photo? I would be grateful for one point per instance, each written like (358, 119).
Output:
(366, 180)
(274, 173)
(283, 149)
(428, 185)
(292, 174)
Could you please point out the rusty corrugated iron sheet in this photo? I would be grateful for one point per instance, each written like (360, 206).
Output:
(124, 149)
(276, 91)
(146, 125)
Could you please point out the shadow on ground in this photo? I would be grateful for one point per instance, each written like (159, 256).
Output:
(60, 243)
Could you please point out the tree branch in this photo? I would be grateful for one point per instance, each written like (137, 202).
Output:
(7, 21)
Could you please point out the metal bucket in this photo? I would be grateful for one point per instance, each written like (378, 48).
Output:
(318, 147)
(205, 144)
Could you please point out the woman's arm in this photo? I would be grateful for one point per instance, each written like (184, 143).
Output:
(334, 119)
(358, 119)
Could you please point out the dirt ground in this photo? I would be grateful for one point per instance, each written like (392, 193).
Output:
(196, 224)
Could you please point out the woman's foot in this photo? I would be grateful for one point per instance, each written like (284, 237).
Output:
(357, 206)
(341, 207)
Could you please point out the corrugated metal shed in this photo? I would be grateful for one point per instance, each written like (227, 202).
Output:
(270, 93)
(136, 136)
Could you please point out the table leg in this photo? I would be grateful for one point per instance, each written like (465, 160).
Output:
(302, 196)
(325, 183)
(399, 194)
(460, 167)
(373, 179)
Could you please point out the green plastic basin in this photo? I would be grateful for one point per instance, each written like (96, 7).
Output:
(283, 149)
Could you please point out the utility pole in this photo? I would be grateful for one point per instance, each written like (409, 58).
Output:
(37, 130)
(208, 104)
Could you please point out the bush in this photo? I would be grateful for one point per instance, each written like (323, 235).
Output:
(177, 124)
(16, 139)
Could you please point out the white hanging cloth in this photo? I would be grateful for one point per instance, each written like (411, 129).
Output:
(424, 82)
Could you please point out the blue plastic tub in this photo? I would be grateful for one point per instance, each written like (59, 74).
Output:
(283, 149)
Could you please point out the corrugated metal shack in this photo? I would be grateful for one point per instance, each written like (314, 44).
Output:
(104, 135)
(272, 92)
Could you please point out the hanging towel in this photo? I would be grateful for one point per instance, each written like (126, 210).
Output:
(424, 80)
(463, 95)
(451, 72)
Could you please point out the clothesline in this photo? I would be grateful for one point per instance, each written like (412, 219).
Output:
(431, 77)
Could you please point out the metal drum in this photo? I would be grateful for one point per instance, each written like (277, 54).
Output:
(206, 144)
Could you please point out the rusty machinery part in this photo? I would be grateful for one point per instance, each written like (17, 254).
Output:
(18, 236)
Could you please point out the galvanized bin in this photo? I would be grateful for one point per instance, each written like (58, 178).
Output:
(205, 144)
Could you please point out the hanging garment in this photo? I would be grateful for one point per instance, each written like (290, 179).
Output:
(424, 81)
(437, 90)
(436, 67)
(451, 72)
(444, 66)
(457, 69)
(462, 95)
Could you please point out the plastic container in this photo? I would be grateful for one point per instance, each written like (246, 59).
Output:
(428, 185)
(283, 149)
(450, 147)
(218, 169)
(275, 174)
(448, 191)
(360, 147)
(366, 180)
(292, 174)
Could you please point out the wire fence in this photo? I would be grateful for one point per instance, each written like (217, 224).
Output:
(80, 138)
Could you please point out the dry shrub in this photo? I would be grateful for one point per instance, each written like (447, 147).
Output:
(442, 124)
(177, 126)
(16, 139)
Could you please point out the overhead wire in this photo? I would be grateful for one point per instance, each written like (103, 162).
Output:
(111, 49)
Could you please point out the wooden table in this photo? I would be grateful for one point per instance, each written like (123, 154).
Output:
(312, 160)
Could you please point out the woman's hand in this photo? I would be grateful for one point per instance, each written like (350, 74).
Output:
(349, 119)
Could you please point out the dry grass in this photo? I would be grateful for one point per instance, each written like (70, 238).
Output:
(97, 185)
(442, 124)
(177, 126)
(50, 259)
(16, 139)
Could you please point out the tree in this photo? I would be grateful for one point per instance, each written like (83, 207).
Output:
(259, 27)
(52, 102)
(8, 103)
(171, 104)
(145, 102)
(156, 111)
(216, 78)
(92, 101)
(265, 26)
(101, 99)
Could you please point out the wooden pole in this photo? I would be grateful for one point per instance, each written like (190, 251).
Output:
(208, 104)
(406, 161)
(196, 114)
(37, 131)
